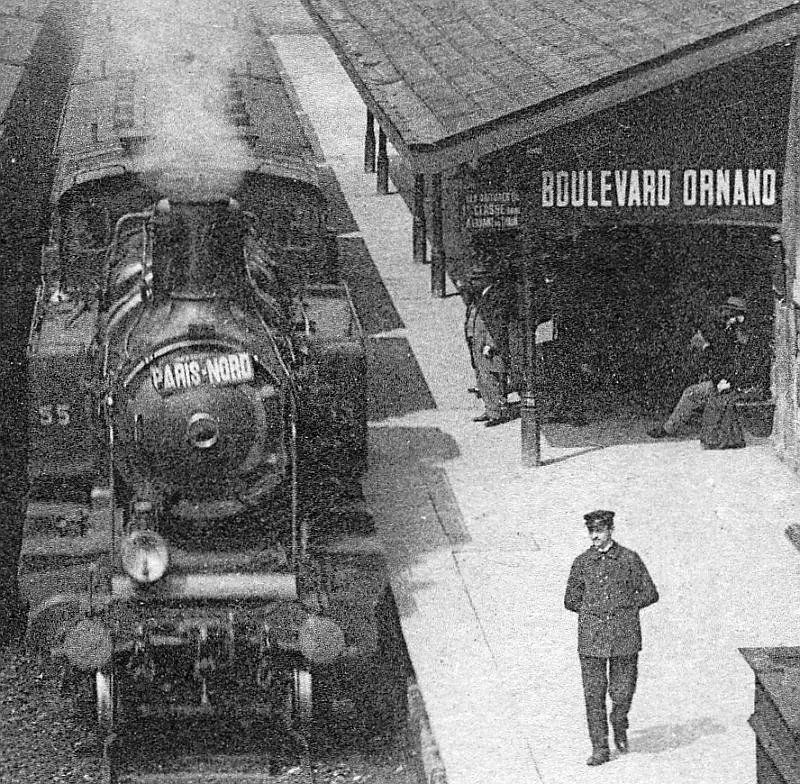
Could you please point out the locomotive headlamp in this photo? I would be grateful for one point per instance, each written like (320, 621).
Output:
(144, 556)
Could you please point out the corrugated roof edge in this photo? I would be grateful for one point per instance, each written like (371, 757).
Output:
(414, 116)
(434, 149)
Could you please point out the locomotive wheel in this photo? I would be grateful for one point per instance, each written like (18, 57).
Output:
(302, 696)
(109, 773)
(324, 690)
(107, 704)
(106, 698)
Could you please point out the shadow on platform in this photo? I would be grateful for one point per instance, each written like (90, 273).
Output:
(608, 430)
(616, 429)
(413, 503)
(668, 737)
(390, 446)
(373, 304)
(395, 384)
(340, 218)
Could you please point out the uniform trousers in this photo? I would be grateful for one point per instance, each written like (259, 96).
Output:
(613, 675)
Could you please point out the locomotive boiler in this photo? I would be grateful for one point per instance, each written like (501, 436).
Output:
(196, 538)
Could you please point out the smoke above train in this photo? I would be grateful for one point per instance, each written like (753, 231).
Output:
(183, 53)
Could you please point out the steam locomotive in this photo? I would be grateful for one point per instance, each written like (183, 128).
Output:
(196, 538)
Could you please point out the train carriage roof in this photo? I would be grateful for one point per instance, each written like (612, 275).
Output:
(115, 96)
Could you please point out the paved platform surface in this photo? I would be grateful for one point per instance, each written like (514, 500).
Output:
(480, 547)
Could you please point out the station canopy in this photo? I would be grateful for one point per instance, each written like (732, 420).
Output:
(451, 81)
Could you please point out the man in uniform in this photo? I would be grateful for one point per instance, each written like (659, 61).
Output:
(608, 585)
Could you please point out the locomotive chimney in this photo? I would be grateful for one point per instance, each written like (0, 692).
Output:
(198, 250)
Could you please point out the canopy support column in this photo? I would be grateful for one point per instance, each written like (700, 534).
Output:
(369, 144)
(419, 227)
(383, 164)
(438, 261)
(530, 424)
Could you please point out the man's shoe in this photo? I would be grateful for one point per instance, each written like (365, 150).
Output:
(598, 758)
(481, 418)
(621, 742)
(658, 432)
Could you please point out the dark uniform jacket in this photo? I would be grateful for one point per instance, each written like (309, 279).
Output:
(607, 590)
(483, 329)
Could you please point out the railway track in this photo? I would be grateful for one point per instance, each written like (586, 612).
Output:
(49, 732)
(311, 730)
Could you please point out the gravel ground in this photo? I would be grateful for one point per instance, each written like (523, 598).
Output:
(44, 737)
(40, 733)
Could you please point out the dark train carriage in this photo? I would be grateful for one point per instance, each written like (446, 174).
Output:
(198, 418)
(38, 49)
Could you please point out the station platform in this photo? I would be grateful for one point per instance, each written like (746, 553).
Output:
(480, 547)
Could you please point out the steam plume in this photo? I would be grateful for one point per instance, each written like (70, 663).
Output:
(183, 52)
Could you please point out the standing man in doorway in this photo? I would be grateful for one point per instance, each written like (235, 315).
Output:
(486, 329)
(607, 586)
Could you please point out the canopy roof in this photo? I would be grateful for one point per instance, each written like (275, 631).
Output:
(453, 80)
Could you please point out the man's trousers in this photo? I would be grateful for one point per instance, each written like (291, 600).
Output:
(492, 387)
(692, 400)
(615, 675)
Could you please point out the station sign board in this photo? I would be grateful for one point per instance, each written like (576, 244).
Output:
(490, 210)
(748, 193)
(710, 148)
(634, 188)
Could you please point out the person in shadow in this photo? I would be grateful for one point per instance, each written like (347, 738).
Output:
(719, 346)
(486, 331)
